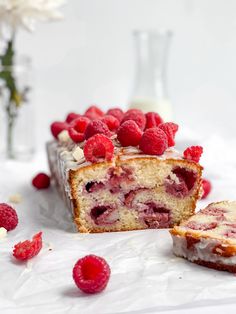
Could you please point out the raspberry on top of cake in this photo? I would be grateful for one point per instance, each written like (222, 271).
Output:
(119, 171)
(209, 237)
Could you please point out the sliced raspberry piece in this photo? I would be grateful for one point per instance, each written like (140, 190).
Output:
(170, 129)
(104, 215)
(153, 142)
(117, 113)
(93, 112)
(137, 116)
(152, 120)
(98, 146)
(129, 134)
(8, 217)
(201, 226)
(41, 181)
(193, 153)
(28, 249)
(97, 127)
(206, 185)
(231, 233)
(77, 129)
(57, 127)
(72, 116)
(218, 212)
(112, 122)
(91, 274)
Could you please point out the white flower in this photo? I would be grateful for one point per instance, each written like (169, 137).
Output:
(16, 14)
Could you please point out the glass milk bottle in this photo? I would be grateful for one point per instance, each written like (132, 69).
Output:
(149, 91)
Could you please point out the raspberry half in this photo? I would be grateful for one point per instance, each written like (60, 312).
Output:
(98, 146)
(117, 113)
(28, 249)
(153, 142)
(96, 127)
(129, 134)
(170, 129)
(112, 122)
(72, 116)
(57, 127)
(153, 120)
(193, 153)
(206, 185)
(93, 112)
(8, 217)
(77, 129)
(41, 181)
(91, 274)
(137, 116)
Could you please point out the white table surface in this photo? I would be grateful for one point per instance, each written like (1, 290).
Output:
(145, 278)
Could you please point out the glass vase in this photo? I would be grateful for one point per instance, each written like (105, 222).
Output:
(16, 114)
(150, 84)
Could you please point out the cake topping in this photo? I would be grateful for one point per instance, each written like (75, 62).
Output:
(154, 142)
(170, 129)
(94, 112)
(63, 136)
(78, 153)
(77, 129)
(152, 120)
(137, 116)
(57, 127)
(98, 146)
(72, 116)
(28, 249)
(129, 134)
(117, 113)
(112, 122)
(193, 153)
(41, 181)
(97, 127)
(8, 217)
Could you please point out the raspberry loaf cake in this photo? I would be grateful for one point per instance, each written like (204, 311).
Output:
(209, 237)
(119, 171)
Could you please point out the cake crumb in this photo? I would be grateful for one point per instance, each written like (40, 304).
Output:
(15, 198)
(78, 153)
(3, 233)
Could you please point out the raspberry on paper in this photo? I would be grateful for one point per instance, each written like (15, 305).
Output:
(8, 217)
(28, 249)
(193, 153)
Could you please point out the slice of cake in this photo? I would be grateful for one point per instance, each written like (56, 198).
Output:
(209, 237)
(118, 175)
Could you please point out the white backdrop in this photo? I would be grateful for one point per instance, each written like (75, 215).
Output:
(89, 58)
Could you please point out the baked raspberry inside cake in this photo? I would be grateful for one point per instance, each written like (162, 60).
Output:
(113, 185)
(209, 237)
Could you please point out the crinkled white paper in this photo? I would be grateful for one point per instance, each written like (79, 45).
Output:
(145, 276)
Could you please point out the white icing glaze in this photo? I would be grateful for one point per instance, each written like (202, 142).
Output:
(202, 251)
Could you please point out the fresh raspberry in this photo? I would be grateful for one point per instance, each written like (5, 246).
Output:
(206, 185)
(96, 127)
(129, 134)
(28, 249)
(137, 116)
(41, 181)
(153, 120)
(153, 142)
(193, 153)
(8, 217)
(91, 274)
(112, 122)
(98, 146)
(117, 113)
(77, 129)
(57, 127)
(170, 129)
(72, 116)
(93, 113)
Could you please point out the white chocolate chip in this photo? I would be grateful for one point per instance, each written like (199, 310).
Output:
(78, 153)
(3, 233)
(15, 198)
(63, 136)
